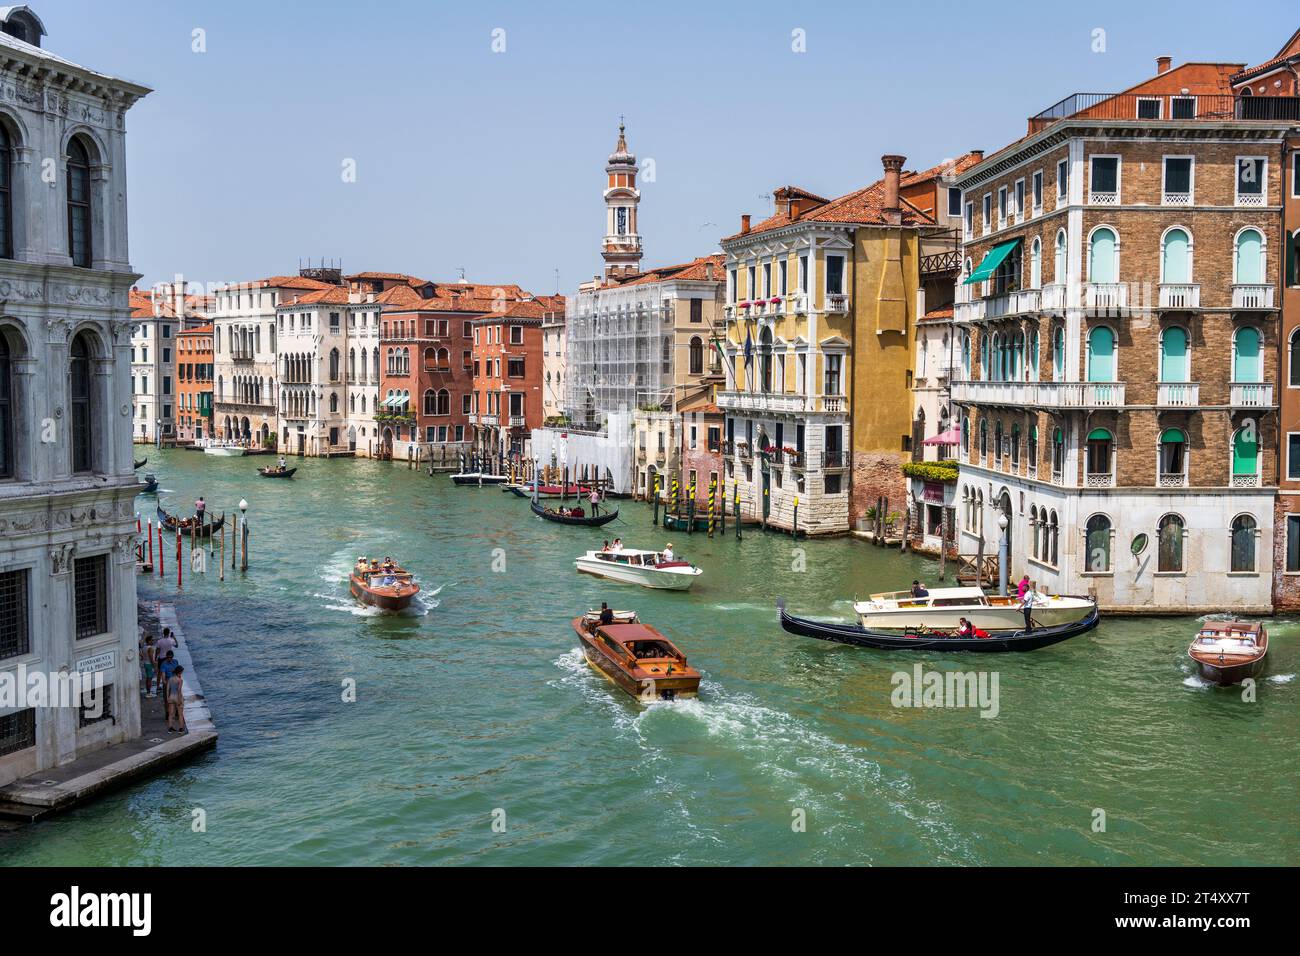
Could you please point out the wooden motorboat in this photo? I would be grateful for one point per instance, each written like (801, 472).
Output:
(276, 472)
(387, 587)
(142, 462)
(550, 491)
(636, 657)
(479, 478)
(150, 485)
(646, 568)
(922, 638)
(188, 526)
(1228, 652)
(574, 515)
(943, 608)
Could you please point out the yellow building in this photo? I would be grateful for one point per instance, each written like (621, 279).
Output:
(820, 308)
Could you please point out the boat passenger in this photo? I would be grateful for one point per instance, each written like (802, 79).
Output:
(606, 615)
(618, 544)
(965, 628)
(605, 548)
(668, 553)
(918, 590)
(1022, 588)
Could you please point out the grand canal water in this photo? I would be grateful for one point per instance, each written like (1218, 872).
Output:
(480, 703)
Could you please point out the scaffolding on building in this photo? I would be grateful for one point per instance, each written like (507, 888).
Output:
(619, 350)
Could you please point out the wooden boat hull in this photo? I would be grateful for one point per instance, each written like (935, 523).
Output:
(142, 462)
(381, 598)
(172, 523)
(647, 577)
(1225, 675)
(271, 473)
(587, 521)
(1009, 640)
(646, 691)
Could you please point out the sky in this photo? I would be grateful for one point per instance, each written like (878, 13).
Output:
(427, 137)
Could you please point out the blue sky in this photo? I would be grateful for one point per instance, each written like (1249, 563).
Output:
(493, 162)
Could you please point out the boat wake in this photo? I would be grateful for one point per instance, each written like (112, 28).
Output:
(1197, 682)
(1281, 678)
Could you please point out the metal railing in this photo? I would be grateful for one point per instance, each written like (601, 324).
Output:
(1164, 106)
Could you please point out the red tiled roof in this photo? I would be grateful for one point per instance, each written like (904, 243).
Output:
(696, 269)
(943, 312)
(1289, 49)
(950, 167)
(330, 295)
(861, 207)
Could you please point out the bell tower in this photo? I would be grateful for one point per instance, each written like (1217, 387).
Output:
(621, 248)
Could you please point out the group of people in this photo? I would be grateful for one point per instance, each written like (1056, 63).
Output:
(159, 669)
(616, 547)
(373, 567)
(1024, 595)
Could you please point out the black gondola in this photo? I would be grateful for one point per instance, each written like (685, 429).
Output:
(150, 485)
(172, 523)
(929, 640)
(276, 472)
(142, 462)
(587, 520)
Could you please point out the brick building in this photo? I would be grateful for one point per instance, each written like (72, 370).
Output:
(507, 364)
(1115, 320)
(194, 383)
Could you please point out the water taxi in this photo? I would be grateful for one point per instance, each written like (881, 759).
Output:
(636, 657)
(1228, 652)
(479, 478)
(943, 609)
(224, 449)
(646, 568)
(385, 586)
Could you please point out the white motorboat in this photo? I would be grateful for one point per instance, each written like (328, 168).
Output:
(479, 478)
(646, 568)
(225, 450)
(943, 609)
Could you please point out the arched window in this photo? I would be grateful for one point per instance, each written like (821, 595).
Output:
(334, 402)
(1053, 537)
(1101, 354)
(697, 356)
(965, 355)
(444, 359)
(352, 364)
(1058, 354)
(1293, 359)
(1173, 456)
(1173, 355)
(1036, 264)
(1032, 453)
(430, 358)
(1058, 270)
(430, 402)
(1175, 258)
(1170, 541)
(765, 359)
(1101, 445)
(1034, 531)
(984, 437)
(6, 199)
(1246, 366)
(1245, 455)
(1243, 543)
(997, 442)
(82, 401)
(7, 403)
(1097, 558)
(1015, 447)
(965, 436)
(1249, 261)
(444, 402)
(334, 365)
(1102, 254)
(80, 245)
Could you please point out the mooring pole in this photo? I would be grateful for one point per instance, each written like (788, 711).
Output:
(794, 530)
(149, 527)
(243, 564)
(654, 486)
(713, 497)
(179, 534)
(160, 550)
(738, 521)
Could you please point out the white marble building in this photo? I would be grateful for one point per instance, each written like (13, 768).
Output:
(67, 488)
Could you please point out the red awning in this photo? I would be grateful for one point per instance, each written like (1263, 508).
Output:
(951, 437)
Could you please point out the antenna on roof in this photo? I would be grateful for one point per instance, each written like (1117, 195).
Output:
(462, 274)
(766, 197)
(557, 281)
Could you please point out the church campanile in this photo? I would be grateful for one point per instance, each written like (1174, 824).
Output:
(621, 248)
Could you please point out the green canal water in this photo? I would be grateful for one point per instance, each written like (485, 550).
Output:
(478, 710)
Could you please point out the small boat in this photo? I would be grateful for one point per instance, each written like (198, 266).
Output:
(549, 491)
(276, 472)
(922, 638)
(646, 568)
(575, 515)
(186, 526)
(1228, 652)
(479, 478)
(225, 450)
(636, 657)
(387, 588)
(150, 485)
(943, 609)
(681, 522)
(142, 462)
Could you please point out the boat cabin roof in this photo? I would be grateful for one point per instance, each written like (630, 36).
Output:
(631, 633)
(937, 597)
(1227, 628)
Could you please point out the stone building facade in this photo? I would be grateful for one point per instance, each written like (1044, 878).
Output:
(67, 486)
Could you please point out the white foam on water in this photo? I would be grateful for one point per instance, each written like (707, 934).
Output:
(1281, 678)
(1198, 682)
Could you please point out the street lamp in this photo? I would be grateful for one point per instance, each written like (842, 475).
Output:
(1004, 554)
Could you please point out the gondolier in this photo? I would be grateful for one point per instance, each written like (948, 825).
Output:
(1028, 607)
(595, 502)
(199, 507)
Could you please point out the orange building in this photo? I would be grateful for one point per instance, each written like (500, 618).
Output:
(507, 357)
(194, 383)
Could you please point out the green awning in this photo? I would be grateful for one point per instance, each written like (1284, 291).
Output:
(1099, 434)
(1173, 435)
(985, 269)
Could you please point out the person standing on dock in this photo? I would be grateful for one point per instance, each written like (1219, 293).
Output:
(176, 701)
(148, 664)
(165, 670)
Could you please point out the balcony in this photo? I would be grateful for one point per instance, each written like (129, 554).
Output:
(1105, 296)
(1245, 481)
(995, 393)
(1178, 395)
(488, 420)
(472, 419)
(1053, 299)
(834, 459)
(1252, 296)
(516, 421)
(1012, 303)
(1176, 199)
(837, 302)
(1180, 295)
(1052, 394)
(1164, 107)
(1103, 198)
(778, 402)
(964, 312)
(1167, 479)
(1252, 395)
(1102, 480)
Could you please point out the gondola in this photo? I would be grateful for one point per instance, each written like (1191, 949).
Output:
(172, 523)
(276, 472)
(587, 520)
(150, 485)
(925, 639)
(142, 462)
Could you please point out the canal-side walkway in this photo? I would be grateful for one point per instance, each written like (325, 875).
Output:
(61, 788)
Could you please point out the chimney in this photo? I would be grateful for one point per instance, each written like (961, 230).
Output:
(1163, 63)
(893, 168)
(977, 153)
(708, 271)
(744, 224)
